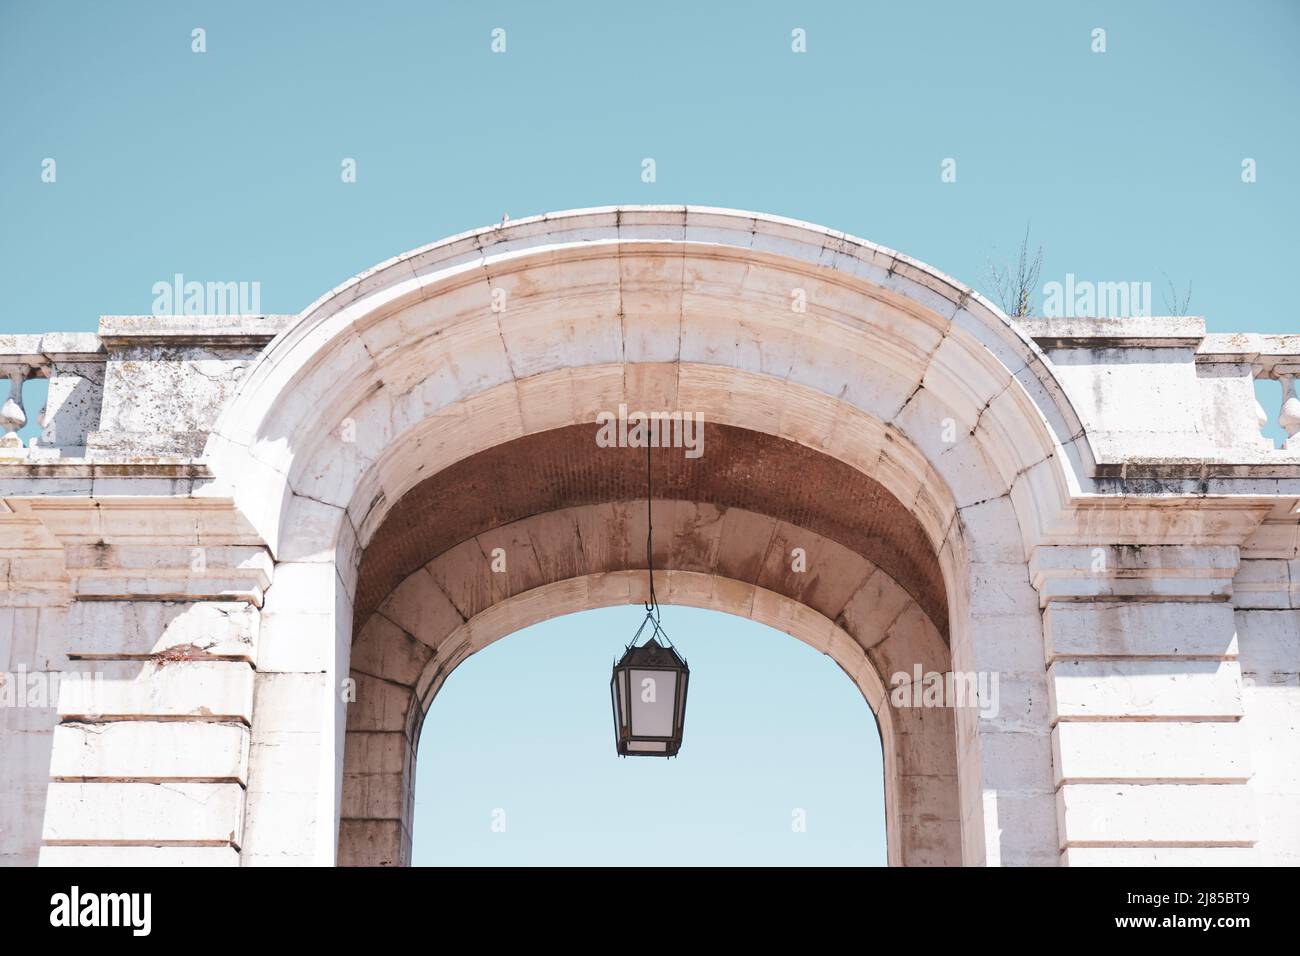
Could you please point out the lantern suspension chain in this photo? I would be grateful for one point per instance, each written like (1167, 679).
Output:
(651, 605)
(652, 601)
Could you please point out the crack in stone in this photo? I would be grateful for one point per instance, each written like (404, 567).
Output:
(920, 382)
(319, 501)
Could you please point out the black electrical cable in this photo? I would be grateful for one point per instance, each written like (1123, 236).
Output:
(652, 602)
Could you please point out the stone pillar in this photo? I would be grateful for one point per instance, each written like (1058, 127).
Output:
(1266, 596)
(33, 606)
(1003, 745)
(150, 757)
(297, 731)
(1150, 756)
(76, 391)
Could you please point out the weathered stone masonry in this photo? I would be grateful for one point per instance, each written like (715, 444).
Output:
(226, 517)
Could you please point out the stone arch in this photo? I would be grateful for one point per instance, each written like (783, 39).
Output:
(892, 369)
(575, 541)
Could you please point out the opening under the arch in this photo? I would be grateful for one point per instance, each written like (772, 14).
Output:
(781, 763)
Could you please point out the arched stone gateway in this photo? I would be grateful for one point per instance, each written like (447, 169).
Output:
(232, 518)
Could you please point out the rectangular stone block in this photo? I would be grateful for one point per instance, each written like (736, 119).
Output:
(22, 806)
(152, 750)
(1141, 856)
(32, 718)
(99, 856)
(138, 629)
(1135, 814)
(1198, 751)
(286, 641)
(1016, 761)
(72, 404)
(927, 841)
(290, 702)
(1152, 630)
(1263, 584)
(1022, 703)
(281, 827)
(166, 571)
(209, 690)
(1106, 690)
(373, 843)
(1001, 589)
(33, 638)
(1279, 826)
(379, 705)
(1014, 825)
(194, 813)
(1272, 725)
(1270, 646)
(285, 762)
(1168, 572)
(25, 757)
(374, 796)
(383, 752)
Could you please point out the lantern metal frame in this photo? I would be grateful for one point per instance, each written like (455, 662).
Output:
(654, 657)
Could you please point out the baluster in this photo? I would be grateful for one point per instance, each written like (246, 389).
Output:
(12, 415)
(1289, 416)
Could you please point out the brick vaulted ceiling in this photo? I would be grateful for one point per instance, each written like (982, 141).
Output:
(565, 468)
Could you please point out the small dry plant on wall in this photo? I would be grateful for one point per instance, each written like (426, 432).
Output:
(1014, 285)
(1177, 302)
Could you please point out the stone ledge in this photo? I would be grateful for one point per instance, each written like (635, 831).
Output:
(1128, 332)
(1279, 463)
(1270, 355)
(122, 444)
(58, 469)
(118, 331)
(41, 349)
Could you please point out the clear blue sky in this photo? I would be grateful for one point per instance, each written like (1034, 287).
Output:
(773, 726)
(225, 166)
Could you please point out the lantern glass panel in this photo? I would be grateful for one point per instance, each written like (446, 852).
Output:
(621, 709)
(647, 746)
(654, 698)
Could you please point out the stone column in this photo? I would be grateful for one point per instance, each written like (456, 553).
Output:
(150, 757)
(1150, 757)
(296, 759)
(1003, 745)
(1266, 597)
(76, 391)
(33, 607)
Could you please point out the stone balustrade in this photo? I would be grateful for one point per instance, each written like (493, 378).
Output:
(144, 385)
(73, 362)
(1269, 357)
(153, 385)
(1161, 387)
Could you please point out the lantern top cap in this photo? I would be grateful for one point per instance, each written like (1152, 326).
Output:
(652, 653)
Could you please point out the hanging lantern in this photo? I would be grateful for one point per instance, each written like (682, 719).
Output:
(649, 682)
(649, 691)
